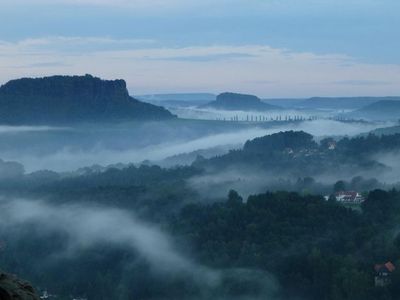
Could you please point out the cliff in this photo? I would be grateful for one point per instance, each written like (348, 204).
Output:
(70, 99)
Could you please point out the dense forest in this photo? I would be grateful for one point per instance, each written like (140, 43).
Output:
(225, 150)
(317, 249)
(296, 154)
(288, 243)
(294, 159)
(295, 246)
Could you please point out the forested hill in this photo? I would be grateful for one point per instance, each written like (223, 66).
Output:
(69, 99)
(381, 110)
(232, 101)
(296, 154)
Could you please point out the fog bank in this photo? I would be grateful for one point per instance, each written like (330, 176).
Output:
(88, 226)
(145, 143)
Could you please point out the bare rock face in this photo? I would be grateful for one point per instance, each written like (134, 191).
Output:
(12, 288)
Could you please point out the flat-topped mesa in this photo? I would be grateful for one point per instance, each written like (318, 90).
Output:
(66, 86)
(237, 99)
(69, 99)
(233, 101)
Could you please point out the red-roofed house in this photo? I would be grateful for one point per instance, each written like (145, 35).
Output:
(383, 274)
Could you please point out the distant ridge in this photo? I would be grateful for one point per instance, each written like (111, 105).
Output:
(178, 100)
(233, 101)
(178, 97)
(70, 99)
(341, 102)
(381, 110)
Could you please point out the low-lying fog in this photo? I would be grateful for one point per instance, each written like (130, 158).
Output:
(67, 149)
(217, 114)
(15, 129)
(86, 227)
(216, 184)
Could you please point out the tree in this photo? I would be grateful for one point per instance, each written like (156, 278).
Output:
(339, 186)
(234, 198)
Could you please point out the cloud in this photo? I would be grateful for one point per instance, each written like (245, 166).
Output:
(139, 7)
(149, 68)
(322, 128)
(196, 3)
(88, 226)
(207, 57)
(363, 82)
(10, 169)
(68, 44)
(392, 160)
(123, 3)
(45, 64)
(20, 129)
(101, 154)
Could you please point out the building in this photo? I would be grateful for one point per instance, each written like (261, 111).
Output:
(349, 197)
(332, 145)
(384, 274)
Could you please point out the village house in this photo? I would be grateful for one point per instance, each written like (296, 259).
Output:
(332, 145)
(383, 274)
(349, 197)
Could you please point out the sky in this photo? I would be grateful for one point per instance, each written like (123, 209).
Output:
(271, 48)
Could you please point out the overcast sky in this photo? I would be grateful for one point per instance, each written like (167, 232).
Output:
(272, 48)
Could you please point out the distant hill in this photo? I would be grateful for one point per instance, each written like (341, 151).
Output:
(232, 101)
(381, 110)
(294, 140)
(178, 100)
(341, 102)
(176, 103)
(295, 154)
(70, 99)
(386, 130)
(284, 102)
(187, 97)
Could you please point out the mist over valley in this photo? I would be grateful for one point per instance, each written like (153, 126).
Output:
(199, 150)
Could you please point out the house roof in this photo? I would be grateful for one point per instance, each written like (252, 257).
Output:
(387, 267)
(347, 193)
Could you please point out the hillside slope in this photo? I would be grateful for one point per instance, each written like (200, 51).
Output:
(342, 102)
(381, 110)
